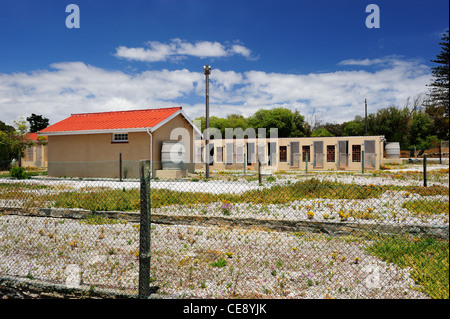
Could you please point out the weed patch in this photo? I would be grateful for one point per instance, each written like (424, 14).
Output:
(428, 258)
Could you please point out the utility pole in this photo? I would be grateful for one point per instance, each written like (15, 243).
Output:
(207, 72)
(365, 104)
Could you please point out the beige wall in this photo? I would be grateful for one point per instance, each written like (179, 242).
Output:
(95, 155)
(338, 162)
(35, 156)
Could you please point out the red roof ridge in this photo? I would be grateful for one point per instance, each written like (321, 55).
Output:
(127, 111)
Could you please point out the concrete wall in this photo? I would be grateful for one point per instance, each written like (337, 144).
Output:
(96, 155)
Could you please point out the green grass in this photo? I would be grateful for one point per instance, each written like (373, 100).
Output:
(100, 200)
(105, 199)
(427, 257)
(427, 208)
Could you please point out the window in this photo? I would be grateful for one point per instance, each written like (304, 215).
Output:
(330, 153)
(283, 153)
(120, 138)
(306, 151)
(356, 153)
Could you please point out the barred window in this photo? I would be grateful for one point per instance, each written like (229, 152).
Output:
(356, 153)
(330, 153)
(283, 153)
(306, 150)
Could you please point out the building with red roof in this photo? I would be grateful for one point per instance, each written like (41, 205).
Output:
(94, 144)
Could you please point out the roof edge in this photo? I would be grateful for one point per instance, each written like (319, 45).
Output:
(137, 110)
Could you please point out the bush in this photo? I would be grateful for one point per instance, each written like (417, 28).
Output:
(18, 172)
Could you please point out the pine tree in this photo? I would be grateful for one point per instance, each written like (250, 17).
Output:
(438, 104)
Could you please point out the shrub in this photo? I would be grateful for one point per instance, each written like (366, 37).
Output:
(219, 263)
(18, 172)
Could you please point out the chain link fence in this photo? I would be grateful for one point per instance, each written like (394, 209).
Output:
(283, 235)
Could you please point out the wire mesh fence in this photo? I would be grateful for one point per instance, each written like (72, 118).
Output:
(284, 235)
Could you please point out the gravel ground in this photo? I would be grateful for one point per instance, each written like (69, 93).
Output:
(212, 262)
(222, 186)
(199, 262)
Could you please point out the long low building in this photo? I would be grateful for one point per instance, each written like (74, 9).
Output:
(294, 153)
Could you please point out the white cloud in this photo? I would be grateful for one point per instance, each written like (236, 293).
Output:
(75, 87)
(178, 48)
(364, 62)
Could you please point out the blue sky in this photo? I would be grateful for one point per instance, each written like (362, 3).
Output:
(314, 56)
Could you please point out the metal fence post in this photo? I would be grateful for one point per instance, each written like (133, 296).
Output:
(307, 159)
(245, 163)
(120, 167)
(424, 171)
(362, 161)
(259, 172)
(144, 233)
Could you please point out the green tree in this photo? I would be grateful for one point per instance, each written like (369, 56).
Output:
(10, 148)
(37, 122)
(335, 129)
(236, 120)
(321, 132)
(12, 142)
(355, 127)
(439, 87)
(392, 122)
(218, 123)
(202, 121)
(288, 123)
(420, 130)
(6, 128)
(299, 127)
(438, 104)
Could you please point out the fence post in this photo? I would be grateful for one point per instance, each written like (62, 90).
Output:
(424, 170)
(144, 233)
(307, 160)
(245, 164)
(120, 166)
(362, 161)
(259, 172)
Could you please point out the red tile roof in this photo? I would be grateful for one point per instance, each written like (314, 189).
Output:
(112, 120)
(32, 137)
